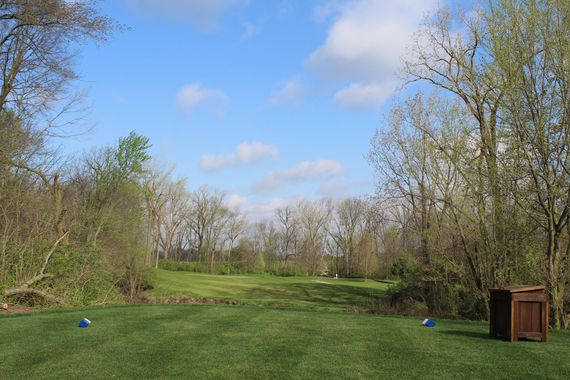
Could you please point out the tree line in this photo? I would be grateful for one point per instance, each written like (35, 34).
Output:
(310, 237)
(477, 168)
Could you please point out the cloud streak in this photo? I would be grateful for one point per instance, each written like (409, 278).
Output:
(257, 209)
(364, 95)
(247, 152)
(192, 95)
(202, 14)
(304, 171)
(290, 94)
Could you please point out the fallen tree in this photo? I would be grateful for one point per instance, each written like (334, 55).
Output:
(26, 288)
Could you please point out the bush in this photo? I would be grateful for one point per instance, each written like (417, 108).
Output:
(78, 286)
(224, 269)
(182, 266)
(405, 266)
(259, 265)
(290, 271)
(276, 269)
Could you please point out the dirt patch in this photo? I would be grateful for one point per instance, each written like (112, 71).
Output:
(17, 309)
(145, 298)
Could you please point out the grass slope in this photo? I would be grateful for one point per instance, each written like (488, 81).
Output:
(241, 342)
(275, 291)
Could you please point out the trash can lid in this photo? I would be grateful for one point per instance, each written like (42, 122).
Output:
(518, 288)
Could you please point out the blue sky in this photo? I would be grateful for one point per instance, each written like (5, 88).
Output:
(269, 101)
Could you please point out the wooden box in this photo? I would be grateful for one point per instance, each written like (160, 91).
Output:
(519, 312)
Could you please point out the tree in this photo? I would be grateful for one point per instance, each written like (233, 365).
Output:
(461, 64)
(234, 229)
(38, 41)
(530, 43)
(36, 49)
(313, 220)
(268, 237)
(207, 220)
(112, 170)
(155, 199)
(289, 227)
(173, 213)
(346, 230)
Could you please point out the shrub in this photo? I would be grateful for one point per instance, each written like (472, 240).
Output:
(259, 265)
(82, 276)
(289, 271)
(224, 269)
(182, 266)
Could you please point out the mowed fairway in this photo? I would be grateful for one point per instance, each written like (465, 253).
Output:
(305, 292)
(242, 342)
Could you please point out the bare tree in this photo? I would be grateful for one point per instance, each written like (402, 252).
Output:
(36, 54)
(155, 199)
(346, 230)
(289, 229)
(235, 227)
(268, 237)
(313, 220)
(207, 220)
(173, 212)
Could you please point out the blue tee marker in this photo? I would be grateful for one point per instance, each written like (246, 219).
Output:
(84, 323)
(428, 323)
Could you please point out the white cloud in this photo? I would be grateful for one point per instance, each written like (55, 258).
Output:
(202, 14)
(364, 95)
(364, 46)
(245, 153)
(249, 31)
(192, 95)
(289, 94)
(257, 209)
(236, 202)
(306, 170)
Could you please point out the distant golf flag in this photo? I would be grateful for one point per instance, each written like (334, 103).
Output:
(428, 323)
(84, 323)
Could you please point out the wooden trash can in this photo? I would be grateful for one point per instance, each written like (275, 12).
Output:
(519, 312)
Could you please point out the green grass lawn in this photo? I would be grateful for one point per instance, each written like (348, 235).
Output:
(292, 327)
(243, 342)
(305, 292)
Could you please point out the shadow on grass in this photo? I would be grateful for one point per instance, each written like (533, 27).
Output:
(318, 294)
(467, 334)
(485, 336)
(389, 282)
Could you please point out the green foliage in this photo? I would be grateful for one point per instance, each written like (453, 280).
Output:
(185, 266)
(405, 266)
(131, 154)
(259, 266)
(224, 269)
(276, 269)
(82, 277)
(292, 269)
